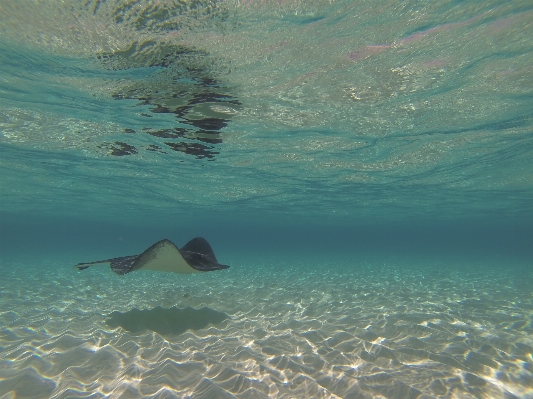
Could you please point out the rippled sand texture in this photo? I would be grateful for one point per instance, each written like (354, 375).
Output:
(281, 331)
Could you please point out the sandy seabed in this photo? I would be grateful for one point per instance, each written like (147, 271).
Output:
(266, 329)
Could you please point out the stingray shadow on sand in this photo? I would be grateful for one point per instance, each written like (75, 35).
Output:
(173, 321)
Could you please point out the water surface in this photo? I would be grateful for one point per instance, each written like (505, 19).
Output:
(364, 167)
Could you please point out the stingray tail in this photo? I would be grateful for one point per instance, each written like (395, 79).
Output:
(120, 265)
(83, 266)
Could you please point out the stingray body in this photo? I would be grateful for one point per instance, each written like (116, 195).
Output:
(194, 257)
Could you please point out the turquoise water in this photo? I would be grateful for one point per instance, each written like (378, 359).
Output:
(365, 168)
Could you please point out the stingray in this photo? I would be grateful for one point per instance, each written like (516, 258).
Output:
(194, 257)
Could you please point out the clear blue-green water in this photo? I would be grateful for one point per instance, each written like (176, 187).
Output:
(365, 168)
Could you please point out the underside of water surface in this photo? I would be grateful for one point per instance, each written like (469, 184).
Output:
(365, 168)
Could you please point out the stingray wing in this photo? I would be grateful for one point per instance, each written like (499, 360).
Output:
(196, 256)
(163, 256)
(200, 256)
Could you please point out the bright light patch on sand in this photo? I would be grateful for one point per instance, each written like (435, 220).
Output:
(278, 340)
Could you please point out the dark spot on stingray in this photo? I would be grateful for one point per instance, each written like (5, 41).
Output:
(186, 295)
(171, 321)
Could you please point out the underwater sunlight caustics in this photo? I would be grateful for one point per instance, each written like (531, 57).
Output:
(365, 167)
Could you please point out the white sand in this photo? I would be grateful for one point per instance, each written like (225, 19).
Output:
(295, 330)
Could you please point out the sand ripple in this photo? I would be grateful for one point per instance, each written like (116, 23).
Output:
(361, 331)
